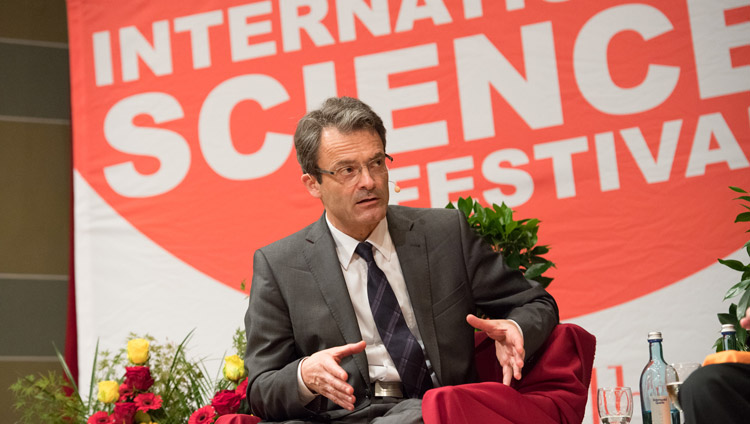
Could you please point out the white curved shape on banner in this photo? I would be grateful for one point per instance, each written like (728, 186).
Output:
(127, 283)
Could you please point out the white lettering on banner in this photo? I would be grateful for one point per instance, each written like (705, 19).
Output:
(712, 42)
(103, 72)
(133, 46)
(292, 24)
(591, 68)
(240, 31)
(701, 154)
(320, 83)
(654, 170)
(606, 161)
(410, 12)
(198, 26)
(561, 152)
(372, 73)
(407, 193)
(168, 147)
(441, 186)
(518, 178)
(479, 66)
(473, 9)
(214, 130)
(374, 18)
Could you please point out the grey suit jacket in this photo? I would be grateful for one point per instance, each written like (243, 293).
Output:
(299, 305)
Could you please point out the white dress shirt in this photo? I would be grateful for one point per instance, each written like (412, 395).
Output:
(354, 268)
(381, 366)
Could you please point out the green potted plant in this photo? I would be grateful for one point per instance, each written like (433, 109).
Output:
(515, 240)
(742, 288)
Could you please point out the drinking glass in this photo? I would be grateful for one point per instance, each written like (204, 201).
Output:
(615, 404)
(682, 371)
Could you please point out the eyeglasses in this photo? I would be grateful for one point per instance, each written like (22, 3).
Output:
(349, 174)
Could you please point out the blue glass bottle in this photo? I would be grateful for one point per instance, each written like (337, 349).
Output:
(728, 337)
(655, 405)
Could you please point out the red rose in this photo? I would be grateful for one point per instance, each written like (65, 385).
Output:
(124, 413)
(204, 415)
(226, 402)
(147, 401)
(138, 378)
(100, 417)
(242, 389)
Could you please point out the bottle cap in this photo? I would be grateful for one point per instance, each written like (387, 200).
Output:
(728, 328)
(654, 336)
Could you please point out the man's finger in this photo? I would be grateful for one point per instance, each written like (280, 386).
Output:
(507, 374)
(476, 322)
(492, 330)
(347, 350)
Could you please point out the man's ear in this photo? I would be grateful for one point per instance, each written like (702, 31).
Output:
(312, 185)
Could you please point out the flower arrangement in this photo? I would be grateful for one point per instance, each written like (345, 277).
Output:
(143, 383)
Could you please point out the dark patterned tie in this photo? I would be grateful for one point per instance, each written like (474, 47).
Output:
(399, 341)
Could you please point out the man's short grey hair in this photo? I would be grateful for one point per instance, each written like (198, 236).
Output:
(346, 114)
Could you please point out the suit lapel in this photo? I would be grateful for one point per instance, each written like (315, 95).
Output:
(320, 255)
(412, 254)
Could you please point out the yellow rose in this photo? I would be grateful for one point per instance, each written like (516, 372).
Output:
(138, 351)
(234, 368)
(109, 391)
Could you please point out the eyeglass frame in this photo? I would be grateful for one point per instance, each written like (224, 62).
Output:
(356, 174)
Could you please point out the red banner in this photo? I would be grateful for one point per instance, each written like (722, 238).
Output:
(618, 124)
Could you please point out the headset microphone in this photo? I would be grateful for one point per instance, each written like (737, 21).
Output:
(396, 188)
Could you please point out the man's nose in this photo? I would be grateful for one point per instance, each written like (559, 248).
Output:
(366, 179)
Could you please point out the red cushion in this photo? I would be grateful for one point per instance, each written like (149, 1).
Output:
(554, 389)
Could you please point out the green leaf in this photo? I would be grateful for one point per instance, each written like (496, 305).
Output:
(718, 345)
(730, 318)
(745, 198)
(742, 305)
(737, 189)
(737, 289)
(536, 270)
(540, 250)
(731, 263)
(743, 217)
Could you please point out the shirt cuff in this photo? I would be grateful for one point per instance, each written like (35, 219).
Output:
(305, 395)
(517, 326)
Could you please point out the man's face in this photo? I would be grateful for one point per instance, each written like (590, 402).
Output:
(354, 208)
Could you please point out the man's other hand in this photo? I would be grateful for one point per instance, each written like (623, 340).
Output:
(322, 374)
(745, 322)
(508, 344)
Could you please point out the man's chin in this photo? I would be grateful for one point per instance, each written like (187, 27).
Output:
(371, 213)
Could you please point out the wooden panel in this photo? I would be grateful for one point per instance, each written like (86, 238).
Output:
(35, 170)
(42, 20)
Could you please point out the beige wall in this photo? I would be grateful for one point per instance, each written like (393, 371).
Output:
(35, 174)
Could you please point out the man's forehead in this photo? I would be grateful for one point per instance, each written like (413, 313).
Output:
(340, 146)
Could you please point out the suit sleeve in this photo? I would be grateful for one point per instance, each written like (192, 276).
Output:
(271, 357)
(503, 293)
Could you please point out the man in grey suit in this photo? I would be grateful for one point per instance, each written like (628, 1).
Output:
(320, 346)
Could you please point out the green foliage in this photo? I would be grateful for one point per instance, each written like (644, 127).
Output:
(239, 341)
(43, 399)
(742, 288)
(515, 240)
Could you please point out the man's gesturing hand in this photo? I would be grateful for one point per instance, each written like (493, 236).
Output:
(508, 344)
(322, 374)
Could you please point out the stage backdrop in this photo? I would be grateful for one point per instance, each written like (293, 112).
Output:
(618, 124)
